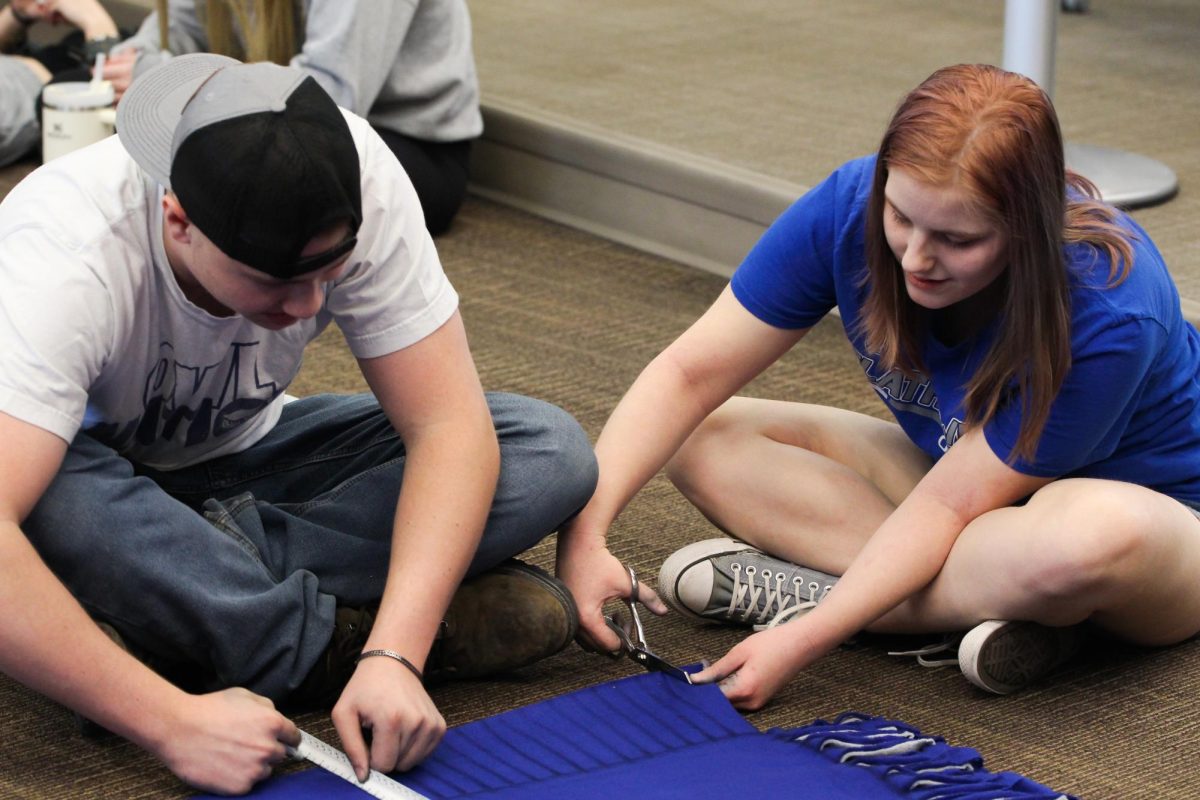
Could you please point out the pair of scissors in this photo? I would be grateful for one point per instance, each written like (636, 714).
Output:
(633, 637)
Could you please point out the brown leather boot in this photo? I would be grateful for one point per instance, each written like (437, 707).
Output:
(506, 618)
(325, 681)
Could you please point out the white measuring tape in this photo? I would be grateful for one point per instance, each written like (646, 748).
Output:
(335, 761)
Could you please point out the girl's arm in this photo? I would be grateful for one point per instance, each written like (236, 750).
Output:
(703, 368)
(185, 32)
(903, 556)
(143, 50)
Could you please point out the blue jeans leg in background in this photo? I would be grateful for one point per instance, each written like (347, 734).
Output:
(237, 564)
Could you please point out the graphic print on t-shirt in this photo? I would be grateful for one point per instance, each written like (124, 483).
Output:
(189, 404)
(913, 393)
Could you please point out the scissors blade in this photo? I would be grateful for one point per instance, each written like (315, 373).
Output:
(654, 663)
(640, 655)
(633, 637)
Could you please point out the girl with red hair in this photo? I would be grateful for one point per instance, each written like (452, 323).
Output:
(1043, 469)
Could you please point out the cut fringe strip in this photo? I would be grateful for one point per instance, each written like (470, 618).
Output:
(923, 767)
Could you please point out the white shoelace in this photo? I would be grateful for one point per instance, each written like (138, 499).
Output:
(778, 605)
(922, 654)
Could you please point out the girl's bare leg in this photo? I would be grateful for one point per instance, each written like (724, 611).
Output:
(811, 484)
(806, 483)
(1121, 555)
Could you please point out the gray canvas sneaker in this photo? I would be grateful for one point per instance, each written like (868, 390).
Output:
(725, 580)
(1003, 656)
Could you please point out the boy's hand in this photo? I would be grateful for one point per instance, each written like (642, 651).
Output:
(227, 741)
(384, 696)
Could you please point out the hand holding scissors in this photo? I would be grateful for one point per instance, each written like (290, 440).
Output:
(633, 637)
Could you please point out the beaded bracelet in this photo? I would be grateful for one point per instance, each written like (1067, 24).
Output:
(391, 654)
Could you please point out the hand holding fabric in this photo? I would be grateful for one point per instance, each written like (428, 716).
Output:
(755, 669)
(385, 697)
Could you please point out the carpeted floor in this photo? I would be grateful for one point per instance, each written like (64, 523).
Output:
(789, 88)
(570, 318)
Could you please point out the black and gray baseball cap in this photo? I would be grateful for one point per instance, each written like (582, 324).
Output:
(259, 155)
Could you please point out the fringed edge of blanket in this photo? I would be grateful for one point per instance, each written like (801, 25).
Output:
(917, 766)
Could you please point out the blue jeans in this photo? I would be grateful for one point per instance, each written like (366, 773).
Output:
(235, 565)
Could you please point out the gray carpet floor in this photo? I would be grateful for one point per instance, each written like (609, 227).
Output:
(788, 88)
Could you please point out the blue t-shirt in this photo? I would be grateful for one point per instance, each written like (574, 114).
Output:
(1129, 408)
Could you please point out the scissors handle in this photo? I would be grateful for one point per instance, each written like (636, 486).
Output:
(633, 643)
(638, 633)
(622, 632)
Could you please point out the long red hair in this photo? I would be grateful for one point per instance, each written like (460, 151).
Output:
(995, 135)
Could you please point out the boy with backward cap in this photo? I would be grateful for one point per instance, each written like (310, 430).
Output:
(157, 291)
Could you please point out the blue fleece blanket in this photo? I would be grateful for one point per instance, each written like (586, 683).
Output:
(650, 736)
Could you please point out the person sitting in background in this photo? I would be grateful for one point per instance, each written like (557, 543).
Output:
(25, 69)
(408, 68)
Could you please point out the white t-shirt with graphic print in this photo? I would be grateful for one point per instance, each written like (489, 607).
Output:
(95, 331)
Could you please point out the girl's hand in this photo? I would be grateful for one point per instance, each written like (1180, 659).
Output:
(35, 9)
(753, 671)
(595, 576)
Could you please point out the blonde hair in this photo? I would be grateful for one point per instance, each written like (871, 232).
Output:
(995, 135)
(253, 30)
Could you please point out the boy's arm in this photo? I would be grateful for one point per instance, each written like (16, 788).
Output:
(432, 395)
(223, 742)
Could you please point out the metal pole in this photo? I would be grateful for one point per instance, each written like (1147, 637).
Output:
(1126, 179)
(1029, 29)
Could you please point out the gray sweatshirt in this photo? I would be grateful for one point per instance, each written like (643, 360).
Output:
(19, 89)
(405, 65)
